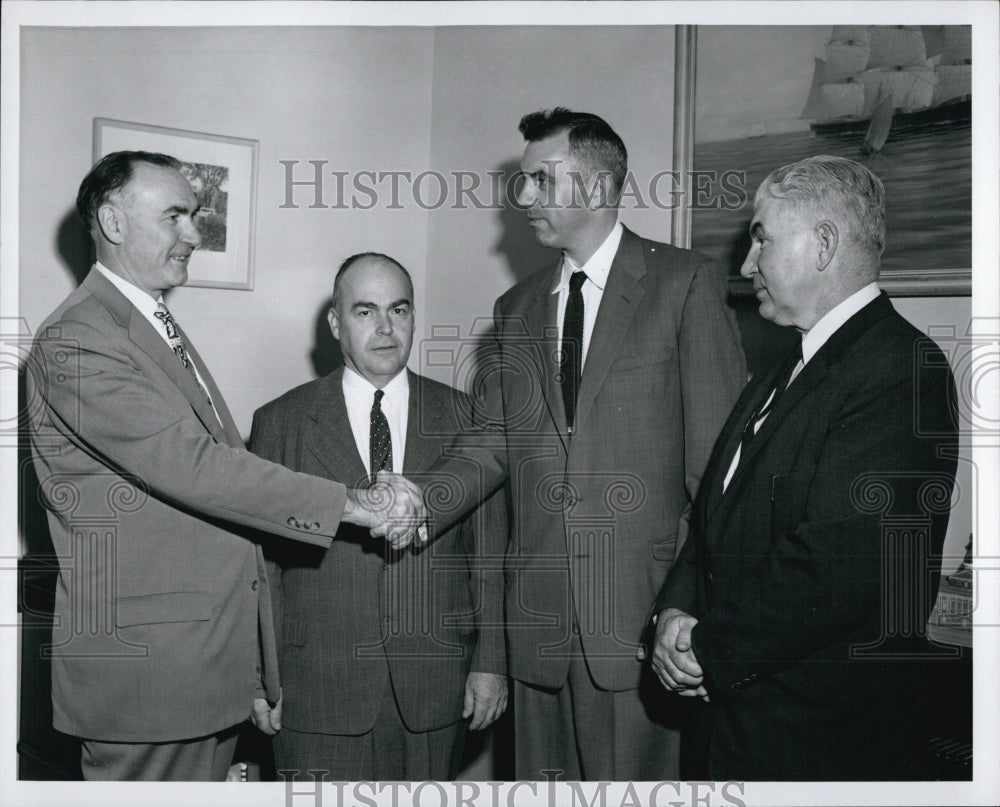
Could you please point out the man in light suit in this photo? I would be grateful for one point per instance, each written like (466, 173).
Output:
(382, 654)
(156, 657)
(797, 610)
(610, 374)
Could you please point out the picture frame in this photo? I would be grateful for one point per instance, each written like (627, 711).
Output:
(748, 84)
(223, 173)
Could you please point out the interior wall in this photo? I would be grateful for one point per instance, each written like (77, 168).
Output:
(358, 98)
(624, 74)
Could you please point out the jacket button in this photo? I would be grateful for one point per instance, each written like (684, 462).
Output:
(253, 586)
(314, 525)
(291, 521)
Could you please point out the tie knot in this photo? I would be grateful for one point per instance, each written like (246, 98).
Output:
(378, 396)
(576, 280)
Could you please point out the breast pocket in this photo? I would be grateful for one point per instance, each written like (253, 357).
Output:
(640, 361)
(174, 606)
(789, 494)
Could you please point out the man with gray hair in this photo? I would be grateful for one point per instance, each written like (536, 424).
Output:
(796, 611)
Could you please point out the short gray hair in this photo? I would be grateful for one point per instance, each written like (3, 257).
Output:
(840, 185)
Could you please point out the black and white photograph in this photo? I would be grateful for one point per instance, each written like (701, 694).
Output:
(500, 403)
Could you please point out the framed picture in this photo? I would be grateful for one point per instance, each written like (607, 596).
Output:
(223, 172)
(896, 98)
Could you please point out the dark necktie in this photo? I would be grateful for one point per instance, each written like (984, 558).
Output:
(380, 441)
(571, 361)
(762, 411)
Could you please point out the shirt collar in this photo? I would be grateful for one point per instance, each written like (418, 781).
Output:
(135, 295)
(355, 382)
(599, 265)
(833, 319)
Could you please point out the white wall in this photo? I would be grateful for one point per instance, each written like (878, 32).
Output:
(485, 79)
(356, 97)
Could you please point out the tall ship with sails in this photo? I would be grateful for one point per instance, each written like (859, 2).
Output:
(877, 77)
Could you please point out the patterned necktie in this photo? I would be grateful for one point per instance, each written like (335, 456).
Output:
(571, 359)
(176, 342)
(762, 411)
(380, 441)
(174, 338)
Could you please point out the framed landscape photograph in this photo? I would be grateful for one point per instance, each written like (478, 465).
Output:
(896, 98)
(223, 173)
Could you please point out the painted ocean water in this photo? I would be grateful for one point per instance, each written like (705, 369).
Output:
(928, 180)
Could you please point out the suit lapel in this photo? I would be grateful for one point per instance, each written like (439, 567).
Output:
(540, 321)
(621, 297)
(328, 432)
(232, 434)
(144, 336)
(423, 420)
(812, 376)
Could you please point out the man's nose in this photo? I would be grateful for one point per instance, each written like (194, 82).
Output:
(526, 194)
(190, 235)
(383, 323)
(749, 267)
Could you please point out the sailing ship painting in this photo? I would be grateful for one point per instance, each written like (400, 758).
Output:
(879, 77)
(896, 98)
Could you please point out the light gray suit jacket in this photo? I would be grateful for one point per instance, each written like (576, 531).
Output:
(160, 593)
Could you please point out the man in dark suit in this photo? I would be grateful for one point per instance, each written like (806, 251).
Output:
(163, 642)
(382, 655)
(609, 376)
(797, 610)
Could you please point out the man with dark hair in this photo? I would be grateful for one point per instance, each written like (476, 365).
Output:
(797, 610)
(609, 376)
(163, 643)
(383, 655)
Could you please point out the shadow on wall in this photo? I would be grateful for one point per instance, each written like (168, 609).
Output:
(517, 245)
(325, 355)
(74, 246)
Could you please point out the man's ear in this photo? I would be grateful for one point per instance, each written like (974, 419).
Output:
(827, 238)
(334, 322)
(111, 223)
(603, 191)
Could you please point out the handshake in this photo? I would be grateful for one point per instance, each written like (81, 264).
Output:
(393, 507)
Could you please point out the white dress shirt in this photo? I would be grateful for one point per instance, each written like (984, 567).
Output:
(596, 270)
(146, 306)
(812, 341)
(359, 394)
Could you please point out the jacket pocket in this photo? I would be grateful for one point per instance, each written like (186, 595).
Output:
(664, 550)
(642, 360)
(174, 606)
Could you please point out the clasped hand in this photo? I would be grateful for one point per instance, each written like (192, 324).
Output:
(392, 508)
(673, 660)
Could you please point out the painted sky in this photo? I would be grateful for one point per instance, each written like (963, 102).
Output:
(754, 75)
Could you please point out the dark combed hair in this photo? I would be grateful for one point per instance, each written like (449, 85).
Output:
(110, 174)
(349, 262)
(592, 141)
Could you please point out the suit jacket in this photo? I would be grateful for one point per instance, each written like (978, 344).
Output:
(596, 519)
(813, 576)
(159, 592)
(360, 617)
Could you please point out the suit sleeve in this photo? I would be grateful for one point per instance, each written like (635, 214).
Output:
(713, 369)
(475, 465)
(487, 528)
(824, 577)
(103, 403)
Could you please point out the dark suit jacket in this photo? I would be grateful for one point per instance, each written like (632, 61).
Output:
(595, 519)
(342, 614)
(812, 577)
(156, 635)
